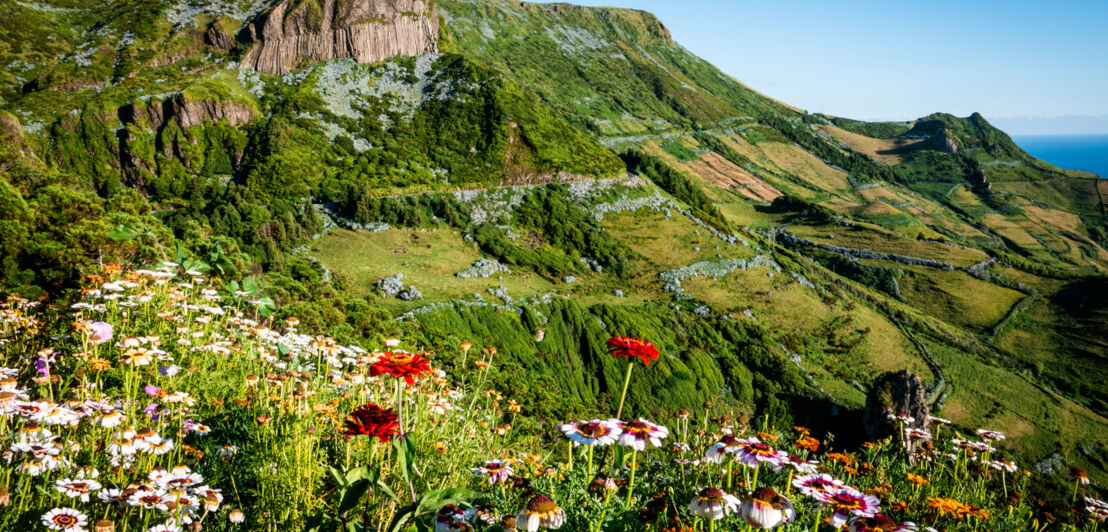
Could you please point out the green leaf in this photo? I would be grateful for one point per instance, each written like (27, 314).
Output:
(405, 454)
(196, 265)
(384, 488)
(432, 501)
(402, 519)
(124, 232)
(265, 306)
(353, 495)
(338, 476)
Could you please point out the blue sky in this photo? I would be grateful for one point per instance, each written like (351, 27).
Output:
(898, 60)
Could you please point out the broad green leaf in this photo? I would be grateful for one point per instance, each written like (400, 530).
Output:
(124, 232)
(353, 495)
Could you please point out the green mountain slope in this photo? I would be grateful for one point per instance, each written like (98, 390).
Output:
(782, 260)
(612, 71)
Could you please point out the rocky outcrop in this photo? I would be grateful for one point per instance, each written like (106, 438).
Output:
(894, 394)
(219, 38)
(796, 241)
(187, 112)
(318, 30)
(943, 142)
(155, 115)
(11, 135)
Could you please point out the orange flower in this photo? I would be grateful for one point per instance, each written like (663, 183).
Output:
(802, 431)
(956, 509)
(918, 480)
(765, 436)
(807, 442)
(99, 364)
(846, 459)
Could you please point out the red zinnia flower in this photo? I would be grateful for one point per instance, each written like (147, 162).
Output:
(372, 420)
(627, 347)
(400, 364)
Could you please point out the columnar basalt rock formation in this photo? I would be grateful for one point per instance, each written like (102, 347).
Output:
(292, 33)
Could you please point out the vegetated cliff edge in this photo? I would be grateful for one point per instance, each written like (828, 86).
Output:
(317, 30)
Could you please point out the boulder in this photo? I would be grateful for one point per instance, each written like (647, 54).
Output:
(901, 392)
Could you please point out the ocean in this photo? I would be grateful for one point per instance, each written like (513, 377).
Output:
(1074, 152)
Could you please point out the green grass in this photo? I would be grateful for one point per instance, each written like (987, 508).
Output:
(957, 297)
(428, 258)
(865, 236)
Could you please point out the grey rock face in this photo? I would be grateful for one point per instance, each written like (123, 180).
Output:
(363, 30)
(901, 392)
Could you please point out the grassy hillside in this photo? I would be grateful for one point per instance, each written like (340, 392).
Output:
(940, 188)
(783, 260)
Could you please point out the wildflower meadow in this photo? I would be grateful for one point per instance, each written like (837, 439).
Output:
(165, 400)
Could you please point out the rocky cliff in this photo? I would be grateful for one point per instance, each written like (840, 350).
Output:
(317, 30)
(188, 112)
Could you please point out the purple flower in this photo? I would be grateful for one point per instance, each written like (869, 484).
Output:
(102, 331)
(152, 390)
(169, 371)
(42, 364)
(152, 411)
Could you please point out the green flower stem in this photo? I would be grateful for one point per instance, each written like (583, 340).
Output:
(819, 517)
(634, 465)
(399, 406)
(603, 512)
(626, 382)
(730, 462)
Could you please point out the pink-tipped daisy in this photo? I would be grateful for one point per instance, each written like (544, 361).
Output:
(540, 512)
(495, 471)
(713, 503)
(815, 484)
(766, 509)
(149, 499)
(76, 488)
(849, 502)
(637, 432)
(990, 435)
(880, 523)
(800, 465)
(65, 519)
(595, 432)
(728, 444)
(917, 434)
(978, 446)
(753, 452)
